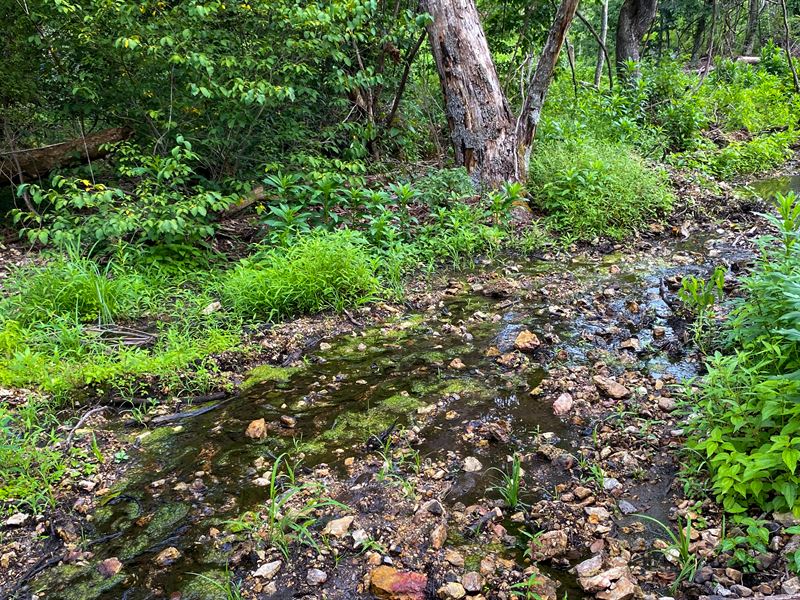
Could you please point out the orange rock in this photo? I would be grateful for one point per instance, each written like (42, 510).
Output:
(387, 583)
(257, 429)
(527, 341)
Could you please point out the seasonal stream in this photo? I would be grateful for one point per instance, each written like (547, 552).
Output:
(201, 472)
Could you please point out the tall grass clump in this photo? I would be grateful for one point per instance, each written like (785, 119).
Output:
(589, 188)
(68, 286)
(321, 271)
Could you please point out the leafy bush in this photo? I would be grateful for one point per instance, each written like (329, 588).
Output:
(593, 188)
(742, 157)
(442, 186)
(750, 98)
(321, 271)
(166, 207)
(747, 426)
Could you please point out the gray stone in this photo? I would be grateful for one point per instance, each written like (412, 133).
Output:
(589, 567)
(268, 570)
(316, 577)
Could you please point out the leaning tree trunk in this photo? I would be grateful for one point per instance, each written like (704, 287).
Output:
(788, 34)
(478, 114)
(540, 82)
(635, 18)
(487, 139)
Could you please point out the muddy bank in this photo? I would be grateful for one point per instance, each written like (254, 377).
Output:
(383, 437)
(401, 424)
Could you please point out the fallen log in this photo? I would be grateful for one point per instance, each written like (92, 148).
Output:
(35, 163)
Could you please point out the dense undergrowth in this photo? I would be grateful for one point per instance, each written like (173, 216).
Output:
(746, 417)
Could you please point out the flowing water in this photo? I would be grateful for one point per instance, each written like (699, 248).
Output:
(189, 476)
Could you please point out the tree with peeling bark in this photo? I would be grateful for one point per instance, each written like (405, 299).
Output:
(489, 140)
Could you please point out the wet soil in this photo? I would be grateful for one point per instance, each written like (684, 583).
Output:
(407, 425)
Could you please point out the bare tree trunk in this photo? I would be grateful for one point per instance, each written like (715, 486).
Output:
(753, 12)
(601, 54)
(787, 32)
(478, 114)
(635, 19)
(537, 89)
(487, 139)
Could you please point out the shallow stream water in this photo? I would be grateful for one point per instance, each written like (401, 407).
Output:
(189, 476)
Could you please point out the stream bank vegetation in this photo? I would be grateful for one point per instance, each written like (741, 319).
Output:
(184, 176)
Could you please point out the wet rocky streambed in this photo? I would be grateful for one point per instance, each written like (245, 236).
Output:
(573, 365)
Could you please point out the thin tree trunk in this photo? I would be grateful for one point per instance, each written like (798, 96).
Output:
(412, 53)
(699, 33)
(753, 12)
(788, 47)
(601, 50)
(537, 90)
(710, 51)
(479, 117)
(635, 19)
(602, 47)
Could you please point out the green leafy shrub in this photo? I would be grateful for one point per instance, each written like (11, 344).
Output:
(753, 99)
(166, 207)
(742, 157)
(593, 188)
(747, 426)
(442, 186)
(321, 271)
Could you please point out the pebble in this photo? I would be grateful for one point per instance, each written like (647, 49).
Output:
(439, 536)
(791, 586)
(472, 464)
(458, 364)
(17, 519)
(526, 341)
(434, 507)
(589, 567)
(472, 582)
(316, 577)
(257, 429)
(268, 570)
(667, 404)
(741, 590)
(562, 405)
(167, 556)
(454, 557)
(452, 591)
(338, 527)
(626, 508)
(109, 567)
(611, 388)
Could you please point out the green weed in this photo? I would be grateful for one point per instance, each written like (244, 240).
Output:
(322, 271)
(590, 189)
